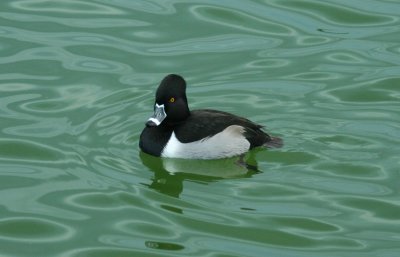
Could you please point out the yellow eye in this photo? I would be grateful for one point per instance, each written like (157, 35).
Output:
(172, 99)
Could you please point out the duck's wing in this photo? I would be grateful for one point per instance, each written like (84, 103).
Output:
(206, 123)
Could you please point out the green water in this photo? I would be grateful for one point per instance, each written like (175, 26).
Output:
(77, 81)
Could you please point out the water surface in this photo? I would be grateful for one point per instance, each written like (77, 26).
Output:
(77, 82)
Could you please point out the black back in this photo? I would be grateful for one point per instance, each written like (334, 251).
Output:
(206, 123)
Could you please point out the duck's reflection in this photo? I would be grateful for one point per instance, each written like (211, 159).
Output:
(169, 174)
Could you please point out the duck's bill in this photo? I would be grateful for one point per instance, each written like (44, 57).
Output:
(158, 116)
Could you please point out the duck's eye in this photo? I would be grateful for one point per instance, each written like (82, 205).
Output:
(172, 99)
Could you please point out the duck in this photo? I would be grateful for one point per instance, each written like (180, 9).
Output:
(175, 131)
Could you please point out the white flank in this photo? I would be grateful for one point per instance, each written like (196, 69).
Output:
(229, 142)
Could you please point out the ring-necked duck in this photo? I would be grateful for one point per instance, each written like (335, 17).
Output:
(176, 132)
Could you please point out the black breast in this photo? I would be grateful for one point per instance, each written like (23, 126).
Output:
(154, 139)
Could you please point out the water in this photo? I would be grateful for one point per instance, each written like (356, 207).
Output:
(77, 83)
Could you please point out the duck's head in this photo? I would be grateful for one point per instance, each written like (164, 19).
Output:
(171, 104)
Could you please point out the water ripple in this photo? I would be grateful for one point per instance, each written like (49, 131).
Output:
(65, 7)
(379, 90)
(88, 22)
(338, 15)
(238, 20)
(224, 43)
(29, 151)
(43, 129)
(153, 7)
(119, 251)
(33, 230)
(69, 60)
(372, 209)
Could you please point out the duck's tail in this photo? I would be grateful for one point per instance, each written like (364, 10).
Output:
(275, 142)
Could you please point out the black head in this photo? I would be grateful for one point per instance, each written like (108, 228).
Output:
(171, 103)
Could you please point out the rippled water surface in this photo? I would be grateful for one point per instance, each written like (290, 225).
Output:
(77, 80)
